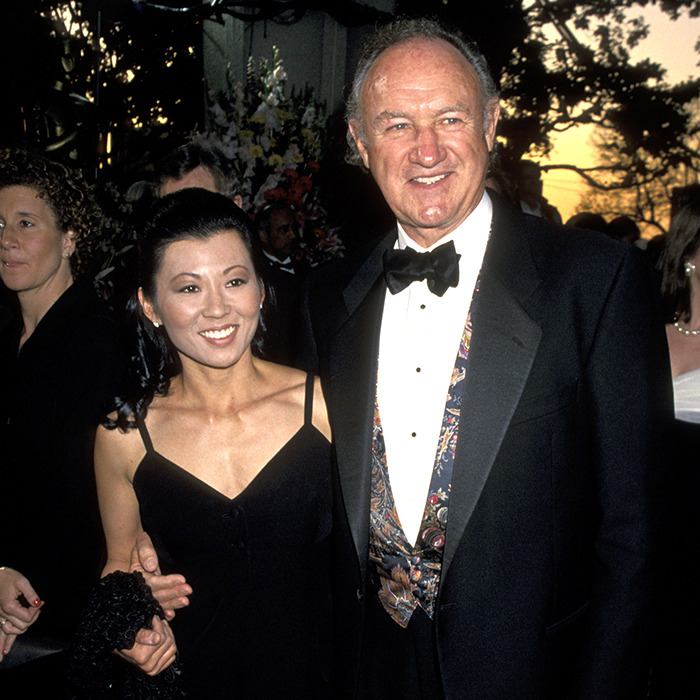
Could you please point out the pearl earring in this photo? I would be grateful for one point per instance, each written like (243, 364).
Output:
(156, 324)
(689, 268)
(66, 255)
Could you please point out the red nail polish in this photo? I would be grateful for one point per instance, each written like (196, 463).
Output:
(37, 603)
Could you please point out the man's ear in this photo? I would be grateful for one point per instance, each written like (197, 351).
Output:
(491, 113)
(149, 310)
(238, 200)
(358, 137)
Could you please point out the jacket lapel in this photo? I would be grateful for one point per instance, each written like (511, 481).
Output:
(351, 390)
(503, 346)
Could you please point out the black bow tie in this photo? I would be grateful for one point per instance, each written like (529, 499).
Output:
(439, 267)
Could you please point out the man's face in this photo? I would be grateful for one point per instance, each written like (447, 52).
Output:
(278, 240)
(530, 183)
(425, 140)
(199, 177)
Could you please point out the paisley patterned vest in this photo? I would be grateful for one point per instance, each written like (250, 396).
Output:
(404, 575)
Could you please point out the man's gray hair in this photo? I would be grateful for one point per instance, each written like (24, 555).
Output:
(395, 33)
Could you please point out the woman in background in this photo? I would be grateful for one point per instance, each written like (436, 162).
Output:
(60, 357)
(676, 676)
(680, 287)
(224, 460)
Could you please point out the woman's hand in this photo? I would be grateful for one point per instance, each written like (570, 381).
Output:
(154, 649)
(19, 607)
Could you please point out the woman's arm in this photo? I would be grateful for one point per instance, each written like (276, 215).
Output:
(117, 456)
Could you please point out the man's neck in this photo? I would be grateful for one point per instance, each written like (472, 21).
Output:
(427, 239)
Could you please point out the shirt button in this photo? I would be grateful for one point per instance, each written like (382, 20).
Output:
(413, 435)
(422, 306)
(417, 369)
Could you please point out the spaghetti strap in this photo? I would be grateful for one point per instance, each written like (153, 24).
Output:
(144, 434)
(309, 400)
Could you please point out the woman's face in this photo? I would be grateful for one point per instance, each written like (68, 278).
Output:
(207, 297)
(33, 251)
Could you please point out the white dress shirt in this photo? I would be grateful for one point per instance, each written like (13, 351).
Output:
(419, 340)
(285, 264)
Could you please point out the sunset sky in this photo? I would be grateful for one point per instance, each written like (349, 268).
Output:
(669, 43)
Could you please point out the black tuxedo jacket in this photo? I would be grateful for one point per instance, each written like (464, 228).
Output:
(546, 583)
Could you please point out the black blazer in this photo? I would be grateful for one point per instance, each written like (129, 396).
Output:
(52, 397)
(546, 586)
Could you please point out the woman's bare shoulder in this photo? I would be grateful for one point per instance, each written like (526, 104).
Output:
(118, 449)
(283, 383)
(287, 394)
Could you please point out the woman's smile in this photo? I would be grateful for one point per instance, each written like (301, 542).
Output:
(218, 334)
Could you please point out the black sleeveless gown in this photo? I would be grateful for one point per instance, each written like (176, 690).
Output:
(259, 620)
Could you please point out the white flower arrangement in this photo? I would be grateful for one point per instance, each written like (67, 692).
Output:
(276, 143)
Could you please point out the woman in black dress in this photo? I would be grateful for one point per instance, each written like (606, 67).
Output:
(676, 674)
(60, 359)
(224, 460)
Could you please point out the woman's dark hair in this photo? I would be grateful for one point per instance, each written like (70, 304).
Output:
(682, 243)
(192, 213)
(65, 191)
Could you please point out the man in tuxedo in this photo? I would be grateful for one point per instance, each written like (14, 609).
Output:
(277, 230)
(495, 544)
